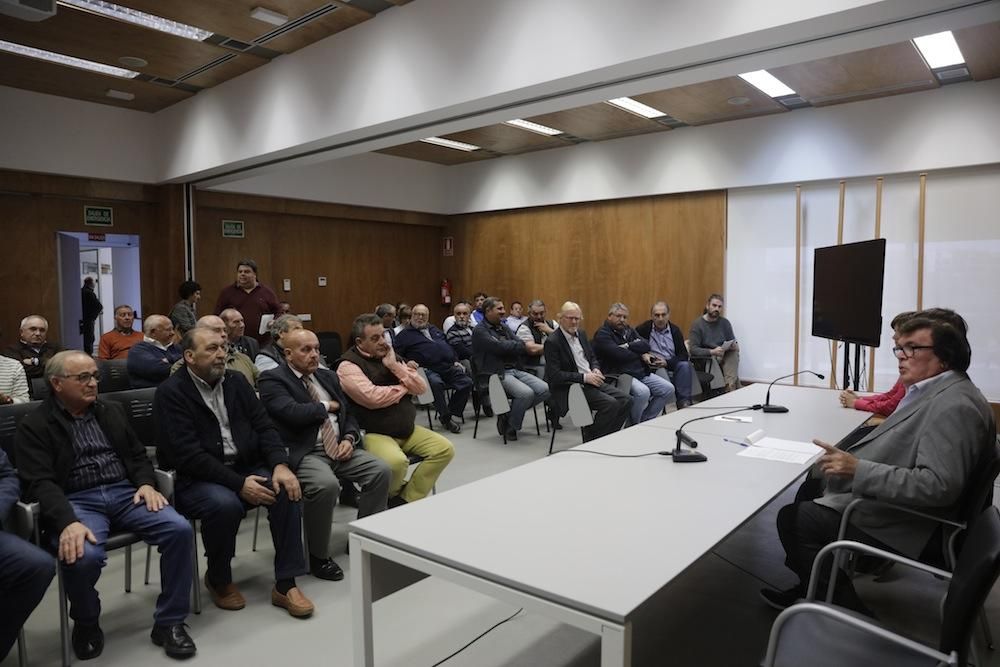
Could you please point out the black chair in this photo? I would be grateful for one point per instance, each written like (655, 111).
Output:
(330, 345)
(39, 389)
(823, 635)
(10, 417)
(138, 406)
(114, 376)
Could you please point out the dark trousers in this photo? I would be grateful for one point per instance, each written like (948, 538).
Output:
(88, 336)
(110, 508)
(220, 510)
(453, 378)
(25, 573)
(612, 408)
(682, 371)
(806, 527)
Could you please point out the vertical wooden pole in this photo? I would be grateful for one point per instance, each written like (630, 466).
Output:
(840, 241)
(920, 241)
(878, 235)
(798, 275)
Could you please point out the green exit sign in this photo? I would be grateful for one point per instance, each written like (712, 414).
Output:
(233, 229)
(100, 216)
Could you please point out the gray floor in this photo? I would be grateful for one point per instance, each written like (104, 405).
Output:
(710, 616)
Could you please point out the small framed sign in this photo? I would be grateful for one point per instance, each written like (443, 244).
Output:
(99, 216)
(233, 229)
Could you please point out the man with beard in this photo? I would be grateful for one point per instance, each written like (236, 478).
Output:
(712, 335)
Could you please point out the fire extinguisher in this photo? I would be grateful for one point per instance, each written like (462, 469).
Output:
(445, 292)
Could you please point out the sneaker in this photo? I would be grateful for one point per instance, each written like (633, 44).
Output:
(781, 600)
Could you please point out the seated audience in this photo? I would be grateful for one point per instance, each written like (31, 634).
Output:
(33, 350)
(228, 456)
(569, 359)
(536, 329)
(497, 351)
(922, 456)
(249, 296)
(13, 382)
(324, 444)
(477, 307)
(516, 316)
(81, 461)
(25, 570)
(380, 389)
(458, 333)
(235, 328)
(667, 343)
(149, 362)
(235, 361)
(272, 355)
(183, 313)
(403, 314)
(116, 343)
(424, 343)
(387, 313)
(712, 335)
(620, 349)
(284, 308)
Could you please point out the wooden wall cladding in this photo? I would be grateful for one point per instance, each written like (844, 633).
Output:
(365, 261)
(636, 251)
(34, 207)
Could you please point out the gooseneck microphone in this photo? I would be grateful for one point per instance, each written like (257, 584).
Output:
(681, 455)
(767, 407)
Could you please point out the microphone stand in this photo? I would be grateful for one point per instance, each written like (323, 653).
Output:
(681, 455)
(768, 407)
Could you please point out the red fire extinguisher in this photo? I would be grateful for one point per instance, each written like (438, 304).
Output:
(445, 292)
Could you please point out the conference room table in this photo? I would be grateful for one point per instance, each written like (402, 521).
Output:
(544, 536)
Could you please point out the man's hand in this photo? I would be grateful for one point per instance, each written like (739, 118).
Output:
(593, 379)
(390, 359)
(533, 348)
(847, 398)
(71, 542)
(30, 361)
(412, 364)
(5, 399)
(717, 351)
(255, 492)
(332, 406)
(153, 499)
(343, 451)
(544, 327)
(284, 477)
(836, 461)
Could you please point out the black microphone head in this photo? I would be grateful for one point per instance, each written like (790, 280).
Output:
(820, 376)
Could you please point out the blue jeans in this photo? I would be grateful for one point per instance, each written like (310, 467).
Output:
(25, 573)
(453, 377)
(108, 508)
(220, 510)
(649, 396)
(525, 390)
(682, 371)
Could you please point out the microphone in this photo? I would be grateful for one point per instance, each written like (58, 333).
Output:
(767, 407)
(681, 455)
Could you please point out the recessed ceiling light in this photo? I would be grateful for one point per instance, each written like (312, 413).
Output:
(448, 143)
(120, 95)
(533, 127)
(268, 16)
(132, 62)
(69, 61)
(940, 49)
(136, 17)
(767, 82)
(638, 108)
(738, 101)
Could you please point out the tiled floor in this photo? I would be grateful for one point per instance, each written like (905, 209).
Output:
(709, 616)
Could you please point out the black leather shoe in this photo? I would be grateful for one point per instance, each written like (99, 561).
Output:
(781, 600)
(88, 641)
(174, 639)
(451, 425)
(511, 435)
(325, 568)
(487, 410)
(395, 501)
(349, 495)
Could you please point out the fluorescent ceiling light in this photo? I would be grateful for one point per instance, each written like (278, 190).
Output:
(120, 95)
(448, 143)
(940, 49)
(69, 61)
(267, 16)
(767, 82)
(638, 108)
(533, 127)
(136, 17)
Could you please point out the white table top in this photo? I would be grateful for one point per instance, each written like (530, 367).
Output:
(601, 534)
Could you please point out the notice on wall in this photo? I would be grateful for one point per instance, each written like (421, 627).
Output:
(233, 229)
(99, 216)
(448, 246)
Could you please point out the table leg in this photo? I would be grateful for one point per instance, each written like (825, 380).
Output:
(616, 645)
(361, 603)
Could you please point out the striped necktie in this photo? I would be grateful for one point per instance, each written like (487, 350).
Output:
(326, 430)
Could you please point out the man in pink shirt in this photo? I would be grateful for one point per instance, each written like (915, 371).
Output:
(380, 388)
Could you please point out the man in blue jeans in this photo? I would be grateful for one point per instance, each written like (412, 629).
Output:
(83, 464)
(25, 570)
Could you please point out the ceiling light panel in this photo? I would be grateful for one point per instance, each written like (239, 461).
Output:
(533, 127)
(267, 16)
(449, 143)
(69, 61)
(940, 49)
(638, 108)
(767, 83)
(135, 17)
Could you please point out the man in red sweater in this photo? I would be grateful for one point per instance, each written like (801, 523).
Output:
(116, 343)
(251, 298)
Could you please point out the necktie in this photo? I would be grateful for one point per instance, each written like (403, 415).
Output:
(326, 430)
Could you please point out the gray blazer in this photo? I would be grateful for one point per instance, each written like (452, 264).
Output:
(921, 456)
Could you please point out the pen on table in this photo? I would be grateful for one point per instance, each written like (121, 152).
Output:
(735, 442)
(731, 419)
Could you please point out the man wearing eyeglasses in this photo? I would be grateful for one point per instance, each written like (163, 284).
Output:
(922, 456)
(80, 460)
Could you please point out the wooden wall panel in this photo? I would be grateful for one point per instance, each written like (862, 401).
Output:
(632, 250)
(366, 262)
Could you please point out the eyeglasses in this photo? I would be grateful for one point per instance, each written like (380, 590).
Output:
(907, 351)
(84, 378)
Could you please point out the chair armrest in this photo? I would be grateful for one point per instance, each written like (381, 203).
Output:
(24, 521)
(850, 545)
(846, 518)
(165, 480)
(856, 623)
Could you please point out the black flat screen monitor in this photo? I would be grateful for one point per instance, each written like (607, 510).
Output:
(847, 292)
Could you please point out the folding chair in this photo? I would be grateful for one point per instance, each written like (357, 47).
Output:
(579, 412)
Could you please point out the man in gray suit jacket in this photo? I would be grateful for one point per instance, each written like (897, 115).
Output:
(923, 456)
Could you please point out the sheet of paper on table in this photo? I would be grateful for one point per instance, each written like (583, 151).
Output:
(776, 449)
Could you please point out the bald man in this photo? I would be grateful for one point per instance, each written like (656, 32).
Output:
(149, 362)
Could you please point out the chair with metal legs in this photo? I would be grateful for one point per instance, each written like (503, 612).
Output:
(579, 412)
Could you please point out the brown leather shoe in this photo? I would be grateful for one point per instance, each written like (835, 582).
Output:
(226, 597)
(295, 602)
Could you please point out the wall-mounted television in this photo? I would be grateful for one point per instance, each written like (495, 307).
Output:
(847, 292)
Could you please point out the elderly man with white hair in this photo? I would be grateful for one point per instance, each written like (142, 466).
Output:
(149, 362)
(33, 349)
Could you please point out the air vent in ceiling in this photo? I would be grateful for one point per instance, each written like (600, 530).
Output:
(296, 24)
(207, 66)
(160, 81)
(670, 121)
(793, 101)
(953, 74)
(235, 44)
